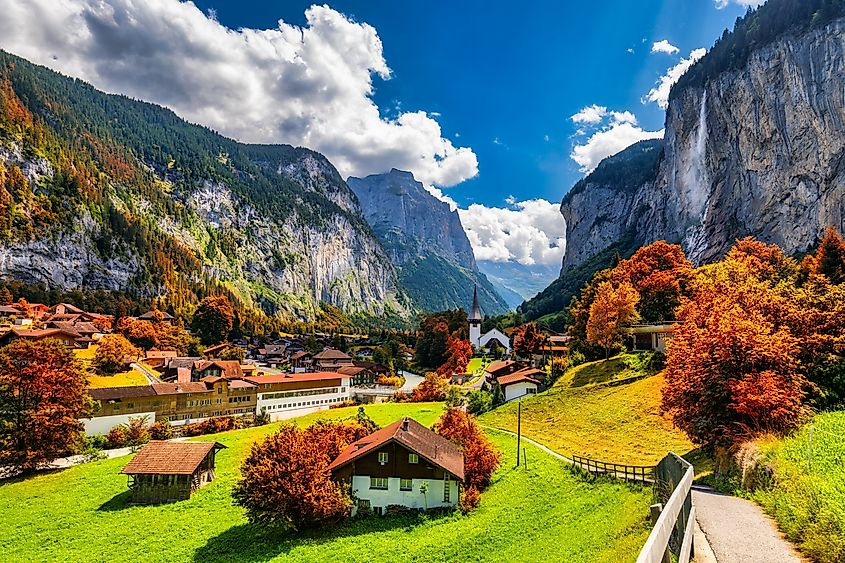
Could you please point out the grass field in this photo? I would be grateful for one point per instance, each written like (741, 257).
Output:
(808, 495)
(124, 379)
(603, 371)
(542, 513)
(619, 424)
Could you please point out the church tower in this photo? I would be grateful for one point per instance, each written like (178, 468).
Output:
(475, 321)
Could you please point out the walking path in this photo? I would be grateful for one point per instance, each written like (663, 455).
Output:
(411, 381)
(151, 376)
(738, 531)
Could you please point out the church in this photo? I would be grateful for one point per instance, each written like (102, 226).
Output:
(484, 341)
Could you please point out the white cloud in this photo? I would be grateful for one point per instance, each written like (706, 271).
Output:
(663, 46)
(609, 141)
(530, 232)
(721, 4)
(309, 85)
(591, 114)
(660, 93)
(438, 193)
(631, 50)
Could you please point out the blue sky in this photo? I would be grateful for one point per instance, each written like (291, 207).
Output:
(475, 98)
(496, 73)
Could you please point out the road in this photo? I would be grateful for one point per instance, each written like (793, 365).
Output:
(738, 531)
(411, 381)
(151, 376)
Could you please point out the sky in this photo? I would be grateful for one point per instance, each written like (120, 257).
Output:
(497, 107)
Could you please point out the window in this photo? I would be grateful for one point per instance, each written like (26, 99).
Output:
(413, 458)
(130, 405)
(447, 489)
(406, 484)
(220, 390)
(378, 483)
(382, 457)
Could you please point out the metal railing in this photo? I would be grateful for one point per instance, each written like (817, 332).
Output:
(673, 530)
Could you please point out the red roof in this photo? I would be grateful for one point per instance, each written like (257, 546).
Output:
(174, 388)
(294, 377)
(169, 458)
(414, 436)
(499, 365)
(521, 375)
(299, 355)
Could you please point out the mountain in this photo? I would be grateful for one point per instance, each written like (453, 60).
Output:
(104, 192)
(516, 282)
(754, 146)
(426, 241)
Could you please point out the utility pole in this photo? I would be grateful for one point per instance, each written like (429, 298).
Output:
(518, 428)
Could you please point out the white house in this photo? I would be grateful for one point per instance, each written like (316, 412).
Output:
(288, 395)
(519, 384)
(495, 335)
(402, 465)
(652, 336)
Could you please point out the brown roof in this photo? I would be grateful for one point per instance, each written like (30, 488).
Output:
(292, 377)
(332, 354)
(299, 355)
(174, 388)
(375, 367)
(9, 310)
(414, 436)
(239, 384)
(38, 334)
(228, 368)
(531, 375)
(169, 458)
(351, 370)
(162, 353)
(218, 347)
(80, 327)
(108, 393)
(499, 365)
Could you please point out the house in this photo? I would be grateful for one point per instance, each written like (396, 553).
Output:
(652, 336)
(67, 309)
(360, 375)
(501, 367)
(300, 361)
(152, 315)
(375, 367)
(38, 310)
(388, 469)
(275, 354)
(158, 359)
(228, 369)
(177, 368)
(8, 313)
(331, 359)
(170, 471)
(116, 405)
(67, 338)
(83, 328)
(558, 344)
(293, 394)
(521, 383)
(501, 340)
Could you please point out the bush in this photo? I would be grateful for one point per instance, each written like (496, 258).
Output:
(479, 402)
(118, 437)
(470, 499)
(262, 418)
(161, 430)
(137, 432)
(454, 396)
(575, 358)
(346, 403)
(390, 380)
(212, 426)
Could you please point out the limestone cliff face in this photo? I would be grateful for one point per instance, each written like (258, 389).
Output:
(426, 241)
(757, 151)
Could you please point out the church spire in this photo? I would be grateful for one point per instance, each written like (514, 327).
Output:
(475, 315)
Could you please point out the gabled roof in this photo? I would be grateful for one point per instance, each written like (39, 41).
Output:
(412, 435)
(499, 365)
(82, 327)
(169, 458)
(275, 348)
(38, 334)
(374, 367)
(9, 310)
(176, 388)
(151, 315)
(228, 368)
(332, 354)
(351, 370)
(299, 355)
(530, 375)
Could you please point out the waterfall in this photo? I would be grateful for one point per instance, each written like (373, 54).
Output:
(696, 185)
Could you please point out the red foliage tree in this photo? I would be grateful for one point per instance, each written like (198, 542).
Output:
(42, 397)
(285, 479)
(527, 341)
(659, 273)
(481, 458)
(460, 352)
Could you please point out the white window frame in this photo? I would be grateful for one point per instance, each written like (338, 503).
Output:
(383, 458)
(413, 458)
(376, 483)
(406, 485)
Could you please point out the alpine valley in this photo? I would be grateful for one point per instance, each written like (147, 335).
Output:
(103, 192)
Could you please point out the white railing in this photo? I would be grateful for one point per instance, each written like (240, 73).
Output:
(656, 547)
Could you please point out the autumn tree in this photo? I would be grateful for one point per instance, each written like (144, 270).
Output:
(155, 334)
(659, 273)
(213, 319)
(830, 256)
(432, 346)
(460, 353)
(579, 311)
(112, 353)
(285, 479)
(432, 388)
(733, 368)
(613, 308)
(528, 340)
(42, 397)
(481, 458)
(5, 297)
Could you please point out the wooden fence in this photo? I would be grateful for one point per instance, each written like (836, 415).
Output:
(673, 531)
(635, 473)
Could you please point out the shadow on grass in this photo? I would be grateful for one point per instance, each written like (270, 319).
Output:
(249, 543)
(117, 502)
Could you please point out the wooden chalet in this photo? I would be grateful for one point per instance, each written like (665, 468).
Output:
(170, 471)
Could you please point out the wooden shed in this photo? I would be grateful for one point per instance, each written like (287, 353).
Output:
(170, 471)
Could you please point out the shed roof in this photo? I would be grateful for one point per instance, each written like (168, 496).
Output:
(412, 435)
(169, 458)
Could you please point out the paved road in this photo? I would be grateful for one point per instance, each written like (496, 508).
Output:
(151, 375)
(739, 532)
(411, 381)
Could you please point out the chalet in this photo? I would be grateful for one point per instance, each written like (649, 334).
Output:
(67, 338)
(331, 359)
(375, 367)
(493, 338)
(229, 369)
(177, 368)
(152, 315)
(275, 354)
(360, 375)
(83, 328)
(558, 344)
(521, 383)
(501, 367)
(300, 361)
(67, 309)
(287, 395)
(652, 336)
(388, 468)
(157, 359)
(170, 471)
(38, 310)
(8, 313)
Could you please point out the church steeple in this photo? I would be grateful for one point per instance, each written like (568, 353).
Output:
(475, 315)
(475, 321)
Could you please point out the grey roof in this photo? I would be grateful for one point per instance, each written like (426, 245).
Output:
(475, 315)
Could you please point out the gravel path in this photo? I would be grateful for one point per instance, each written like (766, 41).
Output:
(739, 532)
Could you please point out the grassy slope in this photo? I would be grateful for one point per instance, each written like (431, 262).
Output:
(80, 514)
(599, 372)
(808, 501)
(124, 379)
(620, 424)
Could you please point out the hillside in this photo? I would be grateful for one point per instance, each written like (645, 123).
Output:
(81, 514)
(426, 242)
(105, 192)
(740, 157)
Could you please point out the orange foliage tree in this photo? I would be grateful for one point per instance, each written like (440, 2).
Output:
(285, 479)
(659, 273)
(154, 334)
(481, 458)
(614, 307)
(830, 257)
(527, 341)
(460, 352)
(733, 367)
(112, 352)
(432, 388)
(42, 397)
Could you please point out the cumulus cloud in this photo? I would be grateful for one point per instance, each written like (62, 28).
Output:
(721, 4)
(663, 46)
(529, 232)
(612, 131)
(660, 93)
(309, 85)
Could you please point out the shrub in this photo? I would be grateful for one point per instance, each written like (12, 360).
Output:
(454, 396)
(137, 432)
(262, 418)
(161, 430)
(117, 437)
(470, 499)
(346, 403)
(390, 380)
(479, 402)
(211, 426)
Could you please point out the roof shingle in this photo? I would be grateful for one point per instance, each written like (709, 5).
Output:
(169, 458)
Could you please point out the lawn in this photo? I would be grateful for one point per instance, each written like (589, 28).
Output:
(808, 495)
(620, 367)
(544, 512)
(124, 379)
(619, 424)
(476, 364)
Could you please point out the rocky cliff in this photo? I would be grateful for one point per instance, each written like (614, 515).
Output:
(137, 200)
(426, 241)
